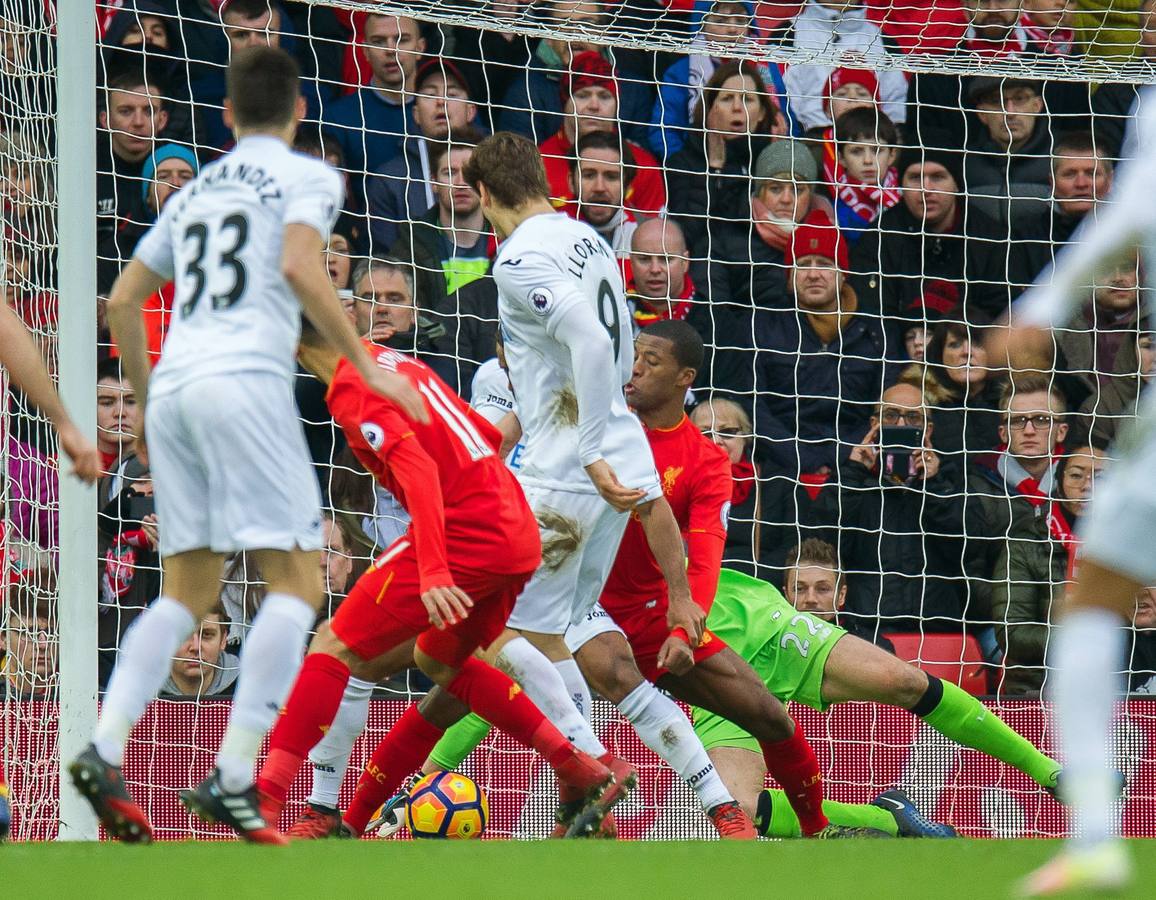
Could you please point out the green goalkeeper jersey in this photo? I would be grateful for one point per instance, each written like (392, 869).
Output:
(787, 648)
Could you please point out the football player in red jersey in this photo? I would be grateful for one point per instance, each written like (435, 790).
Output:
(443, 589)
(624, 644)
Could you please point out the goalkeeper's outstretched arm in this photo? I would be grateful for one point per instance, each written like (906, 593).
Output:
(18, 354)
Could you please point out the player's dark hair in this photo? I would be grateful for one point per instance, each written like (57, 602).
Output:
(865, 125)
(815, 552)
(605, 140)
(262, 84)
(684, 340)
(510, 167)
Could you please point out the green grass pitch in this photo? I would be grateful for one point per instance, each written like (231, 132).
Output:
(847, 870)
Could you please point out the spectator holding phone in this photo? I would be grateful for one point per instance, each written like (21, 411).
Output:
(898, 517)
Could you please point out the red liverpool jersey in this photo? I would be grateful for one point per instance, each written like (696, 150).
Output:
(446, 473)
(696, 480)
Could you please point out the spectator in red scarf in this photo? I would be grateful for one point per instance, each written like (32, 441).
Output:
(660, 286)
(862, 179)
(1048, 26)
(1032, 572)
(1016, 480)
(589, 93)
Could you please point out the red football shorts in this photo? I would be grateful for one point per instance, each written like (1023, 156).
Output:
(384, 609)
(646, 631)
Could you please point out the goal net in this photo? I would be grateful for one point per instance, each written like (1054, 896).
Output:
(841, 198)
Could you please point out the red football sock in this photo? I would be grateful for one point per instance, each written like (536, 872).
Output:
(307, 716)
(793, 765)
(400, 752)
(499, 700)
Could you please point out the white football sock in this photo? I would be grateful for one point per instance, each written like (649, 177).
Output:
(270, 661)
(330, 758)
(576, 685)
(1086, 656)
(143, 664)
(667, 731)
(543, 684)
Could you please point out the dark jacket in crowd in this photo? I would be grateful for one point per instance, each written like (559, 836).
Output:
(397, 193)
(1111, 114)
(1029, 575)
(1037, 238)
(994, 174)
(901, 269)
(695, 191)
(813, 399)
(992, 508)
(900, 544)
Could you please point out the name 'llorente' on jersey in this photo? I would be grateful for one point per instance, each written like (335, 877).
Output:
(220, 240)
(549, 265)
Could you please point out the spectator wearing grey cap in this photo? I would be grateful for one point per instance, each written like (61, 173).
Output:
(1009, 158)
(746, 268)
(933, 252)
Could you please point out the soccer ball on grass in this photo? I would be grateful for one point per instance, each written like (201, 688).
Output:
(446, 805)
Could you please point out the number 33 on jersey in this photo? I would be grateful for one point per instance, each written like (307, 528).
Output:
(220, 240)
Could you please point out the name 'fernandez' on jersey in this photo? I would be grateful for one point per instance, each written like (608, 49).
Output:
(554, 269)
(220, 240)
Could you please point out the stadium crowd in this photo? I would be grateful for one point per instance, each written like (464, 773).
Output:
(842, 238)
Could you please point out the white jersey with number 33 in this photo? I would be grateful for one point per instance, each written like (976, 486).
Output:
(547, 266)
(220, 240)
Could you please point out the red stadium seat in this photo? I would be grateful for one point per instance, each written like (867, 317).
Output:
(951, 657)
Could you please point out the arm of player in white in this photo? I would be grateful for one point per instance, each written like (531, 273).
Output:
(20, 357)
(1118, 227)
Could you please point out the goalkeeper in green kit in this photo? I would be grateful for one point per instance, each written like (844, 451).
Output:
(805, 658)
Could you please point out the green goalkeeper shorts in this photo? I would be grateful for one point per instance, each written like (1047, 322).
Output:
(790, 663)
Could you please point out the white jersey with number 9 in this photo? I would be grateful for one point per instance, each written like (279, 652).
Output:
(220, 240)
(550, 263)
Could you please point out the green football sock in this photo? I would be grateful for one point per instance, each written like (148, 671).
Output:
(781, 821)
(459, 742)
(961, 717)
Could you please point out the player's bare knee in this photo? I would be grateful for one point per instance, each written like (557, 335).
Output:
(441, 708)
(907, 686)
(552, 646)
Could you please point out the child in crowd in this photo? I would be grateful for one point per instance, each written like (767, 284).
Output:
(863, 180)
(1048, 26)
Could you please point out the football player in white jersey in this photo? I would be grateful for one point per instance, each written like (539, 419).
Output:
(243, 244)
(1115, 560)
(586, 465)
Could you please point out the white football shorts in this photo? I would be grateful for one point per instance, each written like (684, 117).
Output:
(596, 621)
(580, 537)
(231, 468)
(1117, 531)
